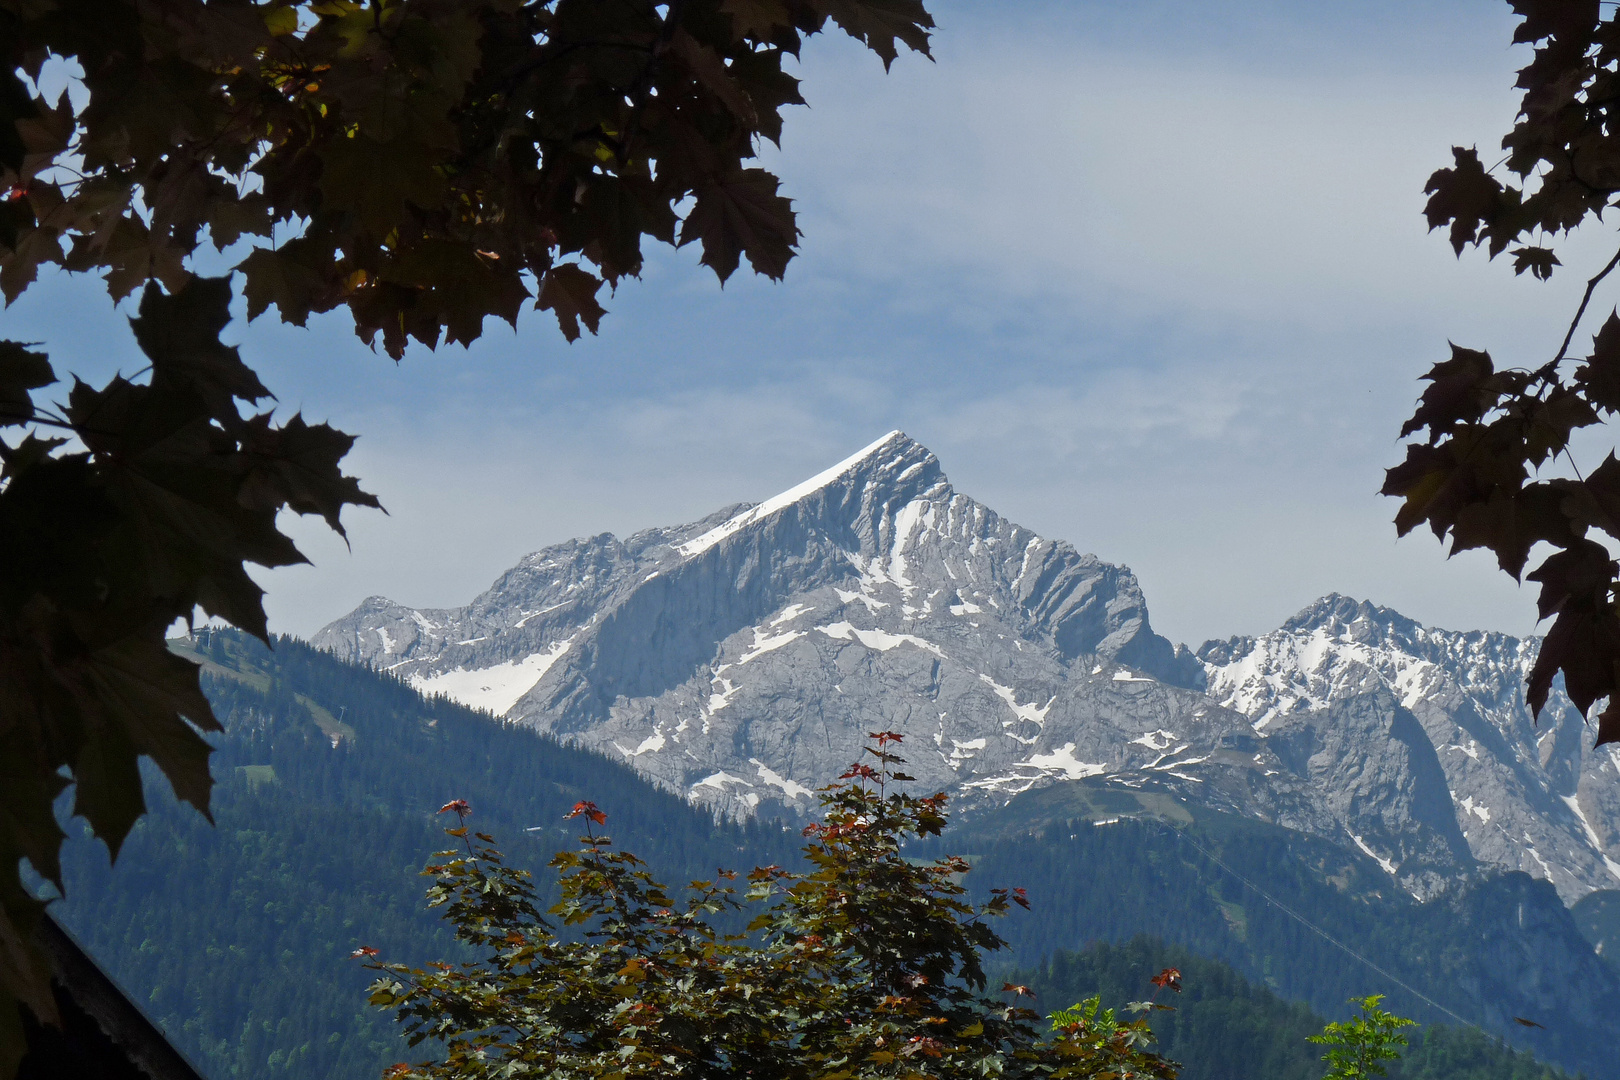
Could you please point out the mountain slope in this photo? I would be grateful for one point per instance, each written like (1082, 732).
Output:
(745, 656)
(1525, 797)
(1315, 921)
(1225, 1028)
(237, 936)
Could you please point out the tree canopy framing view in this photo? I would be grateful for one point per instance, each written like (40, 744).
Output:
(428, 164)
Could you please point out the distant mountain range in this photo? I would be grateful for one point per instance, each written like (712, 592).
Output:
(740, 661)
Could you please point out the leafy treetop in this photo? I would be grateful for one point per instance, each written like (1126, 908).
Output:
(866, 964)
(1358, 1047)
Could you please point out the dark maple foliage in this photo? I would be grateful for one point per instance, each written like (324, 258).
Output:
(424, 164)
(1488, 434)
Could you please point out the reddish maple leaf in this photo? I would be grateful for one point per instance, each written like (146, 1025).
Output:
(588, 811)
(1170, 977)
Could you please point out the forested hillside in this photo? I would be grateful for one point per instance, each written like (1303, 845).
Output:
(238, 937)
(1500, 947)
(1225, 1028)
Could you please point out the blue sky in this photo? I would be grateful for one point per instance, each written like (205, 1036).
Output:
(1148, 277)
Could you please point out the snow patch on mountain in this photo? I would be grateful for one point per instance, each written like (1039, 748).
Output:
(495, 688)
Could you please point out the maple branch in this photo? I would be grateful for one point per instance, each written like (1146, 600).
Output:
(1580, 312)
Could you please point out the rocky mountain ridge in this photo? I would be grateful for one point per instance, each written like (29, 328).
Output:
(1526, 796)
(741, 659)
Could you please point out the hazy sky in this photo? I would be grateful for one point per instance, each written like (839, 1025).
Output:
(1150, 277)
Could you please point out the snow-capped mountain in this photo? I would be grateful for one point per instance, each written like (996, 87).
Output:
(1528, 797)
(742, 659)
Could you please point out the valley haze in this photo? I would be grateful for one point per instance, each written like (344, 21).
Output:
(740, 660)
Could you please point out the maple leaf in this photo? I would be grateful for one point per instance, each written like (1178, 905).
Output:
(1599, 377)
(286, 277)
(1459, 389)
(296, 466)
(378, 181)
(1464, 195)
(741, 214)
(570, 292)
(1584, 640)
(710, 71)
(1538, 260)
(19, 267)
(180, 332)
(16, 103)
(878, 24)
(588, 811)
(757, 19)
(1170, 977)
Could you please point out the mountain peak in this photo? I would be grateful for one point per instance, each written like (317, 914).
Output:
(896, 456)
(1340, 614)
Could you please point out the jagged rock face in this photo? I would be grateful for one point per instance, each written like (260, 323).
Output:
(1524, 797)
(742, 659)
